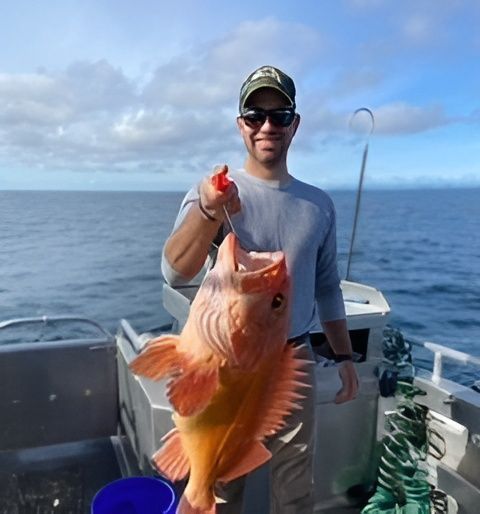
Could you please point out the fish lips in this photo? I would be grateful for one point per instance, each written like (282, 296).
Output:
(253, 271)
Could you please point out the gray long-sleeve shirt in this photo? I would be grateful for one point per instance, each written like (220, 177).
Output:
(298, 219)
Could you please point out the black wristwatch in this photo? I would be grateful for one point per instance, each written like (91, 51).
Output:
(341, 357)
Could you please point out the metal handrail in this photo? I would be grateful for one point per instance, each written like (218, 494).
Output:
(132, 336)
(440, 351)
(48, 319)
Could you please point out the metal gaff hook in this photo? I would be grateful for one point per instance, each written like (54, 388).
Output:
(372, 118)
(360, 184)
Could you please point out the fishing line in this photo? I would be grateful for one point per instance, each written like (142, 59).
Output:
(230, 224)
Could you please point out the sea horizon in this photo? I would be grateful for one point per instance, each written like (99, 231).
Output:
(333, 189)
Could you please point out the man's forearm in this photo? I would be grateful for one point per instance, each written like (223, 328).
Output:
(187, 248)
(338, 337)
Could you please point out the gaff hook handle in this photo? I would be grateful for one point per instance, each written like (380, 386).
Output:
(220, 181)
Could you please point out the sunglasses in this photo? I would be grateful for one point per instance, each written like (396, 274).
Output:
(255, 117)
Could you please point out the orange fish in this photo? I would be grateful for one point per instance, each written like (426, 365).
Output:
(233, 377)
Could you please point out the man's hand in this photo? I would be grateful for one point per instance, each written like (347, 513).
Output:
(213, 200)
(349, 378)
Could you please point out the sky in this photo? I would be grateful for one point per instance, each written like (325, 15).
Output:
(121, 95)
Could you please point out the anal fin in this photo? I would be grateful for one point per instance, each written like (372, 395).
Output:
(255, 455)
(171, 460)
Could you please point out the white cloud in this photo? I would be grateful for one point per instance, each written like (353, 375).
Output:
(97, 87)
(392, 119)
(31, 99)
(92, 116)
(210, 76)
(402, 118)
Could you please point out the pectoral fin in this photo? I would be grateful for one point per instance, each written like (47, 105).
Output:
(191, 391)
(254, 456)
(158, 359)
(193, 382)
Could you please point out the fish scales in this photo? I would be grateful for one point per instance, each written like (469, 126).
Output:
(233, 377)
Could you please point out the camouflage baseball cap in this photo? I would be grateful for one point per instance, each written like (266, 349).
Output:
(267, 76)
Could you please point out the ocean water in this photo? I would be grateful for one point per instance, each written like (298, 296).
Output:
(97, 254)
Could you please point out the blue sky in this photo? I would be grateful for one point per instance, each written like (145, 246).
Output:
(143, 95)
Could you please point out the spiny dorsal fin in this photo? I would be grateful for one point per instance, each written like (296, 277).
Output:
(287, 381)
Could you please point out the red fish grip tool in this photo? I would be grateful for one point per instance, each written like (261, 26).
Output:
(220, 182)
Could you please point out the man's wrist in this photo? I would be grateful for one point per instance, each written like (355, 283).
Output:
(342, 357)
(208, 215)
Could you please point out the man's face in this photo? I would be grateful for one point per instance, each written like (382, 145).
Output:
(267, 144)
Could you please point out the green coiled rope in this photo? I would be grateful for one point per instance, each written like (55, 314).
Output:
(402, 486)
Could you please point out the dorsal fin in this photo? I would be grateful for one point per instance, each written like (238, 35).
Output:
(286, 386)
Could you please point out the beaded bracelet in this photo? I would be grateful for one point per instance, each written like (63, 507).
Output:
(204, 211)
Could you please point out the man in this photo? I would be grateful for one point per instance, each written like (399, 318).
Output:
(271, 210)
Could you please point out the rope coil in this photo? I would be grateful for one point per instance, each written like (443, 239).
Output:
(402, 483)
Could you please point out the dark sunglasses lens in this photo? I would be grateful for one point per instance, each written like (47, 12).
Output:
(255, 117)
(282, 117)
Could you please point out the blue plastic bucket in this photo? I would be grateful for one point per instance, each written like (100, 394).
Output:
(135, 495)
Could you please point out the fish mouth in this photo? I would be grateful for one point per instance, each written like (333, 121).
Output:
(251, 263)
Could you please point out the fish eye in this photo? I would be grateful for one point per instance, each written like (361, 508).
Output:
(277, 301)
